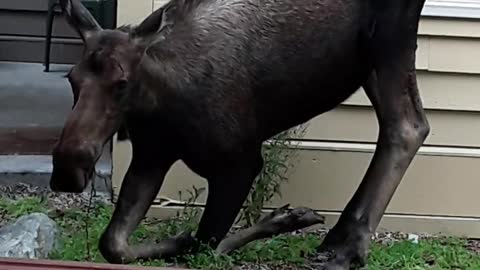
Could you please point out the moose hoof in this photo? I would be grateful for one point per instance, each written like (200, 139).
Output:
(348, 244)
(284, 220)
(115, 251)
(175, 246)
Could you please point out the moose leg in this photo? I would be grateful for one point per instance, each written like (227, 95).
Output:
(140, 187)
(403, 127)
(281, 220)
(227, 193)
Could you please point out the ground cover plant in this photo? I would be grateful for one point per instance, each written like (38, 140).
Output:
(291, 251)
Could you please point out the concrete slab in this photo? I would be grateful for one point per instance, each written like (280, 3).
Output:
(30, 97)
(39, 164)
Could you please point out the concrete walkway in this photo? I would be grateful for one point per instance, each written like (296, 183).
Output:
(31, 97)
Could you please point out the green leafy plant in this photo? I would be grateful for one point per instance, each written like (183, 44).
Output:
(287, 249)
(279, 157)
(15, 209)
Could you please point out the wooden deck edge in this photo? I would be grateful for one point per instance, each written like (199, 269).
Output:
(23, 264)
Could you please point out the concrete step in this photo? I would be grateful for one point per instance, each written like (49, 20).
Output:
(36, 170)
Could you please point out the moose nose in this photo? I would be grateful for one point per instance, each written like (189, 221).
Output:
(72, 181)
(72, 168)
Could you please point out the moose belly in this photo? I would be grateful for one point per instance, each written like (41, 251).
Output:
(309, 90)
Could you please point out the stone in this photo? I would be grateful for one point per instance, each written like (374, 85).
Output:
(32, 236)
(413, 238)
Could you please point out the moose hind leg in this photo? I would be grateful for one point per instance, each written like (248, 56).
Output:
(228, 190)
(403, 127)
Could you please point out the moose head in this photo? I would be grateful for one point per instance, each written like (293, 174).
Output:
(101, 83)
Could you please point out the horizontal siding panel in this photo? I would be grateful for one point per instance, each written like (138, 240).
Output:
(433, 185)
(159, 3)
(181, 176)
(325, 181)
(449, 27)
(454, 55)
(422, 55)
(133, 12)
(448, 54)
(359, 124)
(439, 91)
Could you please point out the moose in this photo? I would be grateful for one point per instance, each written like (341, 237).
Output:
(209, 81)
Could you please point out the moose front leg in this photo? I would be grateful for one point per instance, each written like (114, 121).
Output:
(403, 127)
(227, 192)
(140, 187)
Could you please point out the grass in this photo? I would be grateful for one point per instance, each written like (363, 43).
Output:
(434, 254)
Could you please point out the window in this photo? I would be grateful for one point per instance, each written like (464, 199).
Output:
(452, 8)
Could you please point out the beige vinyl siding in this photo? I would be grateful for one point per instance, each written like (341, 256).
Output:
(133, 11)
(440, 190)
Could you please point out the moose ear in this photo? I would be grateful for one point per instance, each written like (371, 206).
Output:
(157, 21)
(80, 18)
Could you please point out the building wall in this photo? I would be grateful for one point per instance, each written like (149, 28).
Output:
(23, 29)
(439, 191)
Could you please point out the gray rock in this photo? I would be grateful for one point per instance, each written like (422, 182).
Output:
(32, 236)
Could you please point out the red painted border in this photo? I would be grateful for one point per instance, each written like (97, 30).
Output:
(21, 264)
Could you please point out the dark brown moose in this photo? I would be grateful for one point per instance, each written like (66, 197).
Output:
(208, 81)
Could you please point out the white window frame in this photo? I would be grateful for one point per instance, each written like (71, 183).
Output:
(452, 8)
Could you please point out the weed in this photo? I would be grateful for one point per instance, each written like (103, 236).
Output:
(279, 156)
(287, 249)
(14, 209)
